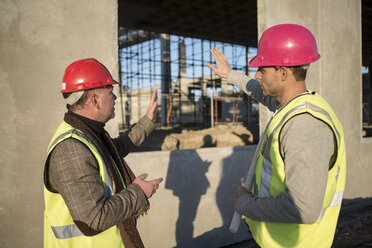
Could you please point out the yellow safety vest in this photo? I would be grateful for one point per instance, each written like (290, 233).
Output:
(59, 227)
(270, 179)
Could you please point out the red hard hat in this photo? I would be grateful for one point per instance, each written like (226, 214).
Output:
(85, 74)
(286, 45)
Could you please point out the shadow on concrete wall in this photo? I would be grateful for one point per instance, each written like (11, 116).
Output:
(189, 183)
(232, 176)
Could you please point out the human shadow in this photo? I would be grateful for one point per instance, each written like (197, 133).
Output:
(233, 174)
(187, 178)
(208, 141)
(243, 137)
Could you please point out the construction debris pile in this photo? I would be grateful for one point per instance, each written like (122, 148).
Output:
(230, 134)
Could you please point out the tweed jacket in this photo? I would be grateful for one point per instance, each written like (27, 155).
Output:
(74, 173)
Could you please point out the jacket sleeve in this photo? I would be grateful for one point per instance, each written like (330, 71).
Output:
(130, 140)
(307, 146)
(253, 89)
(74, 173)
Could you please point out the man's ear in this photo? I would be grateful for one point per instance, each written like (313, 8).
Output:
(283, 73)
(94, 100)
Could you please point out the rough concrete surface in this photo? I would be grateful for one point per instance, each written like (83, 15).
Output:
(38, 39)
(192, 207)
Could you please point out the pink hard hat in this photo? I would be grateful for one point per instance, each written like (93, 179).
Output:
(86, 74)
(286, 45)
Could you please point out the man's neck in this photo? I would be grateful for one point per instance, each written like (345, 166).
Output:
(96, 126)
(291, 91)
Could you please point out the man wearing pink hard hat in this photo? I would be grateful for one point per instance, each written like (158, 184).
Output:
(300, 166)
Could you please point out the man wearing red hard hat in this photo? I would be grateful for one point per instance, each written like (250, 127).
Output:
(92, 198)
(300, 166)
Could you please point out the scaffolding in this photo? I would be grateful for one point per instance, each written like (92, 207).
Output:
(175, 66)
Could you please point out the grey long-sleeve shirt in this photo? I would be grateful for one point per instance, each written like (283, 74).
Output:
(74, 173)
(307, 146)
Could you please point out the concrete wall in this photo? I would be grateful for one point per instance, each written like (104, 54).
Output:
(337, 75)
(38, 39)
(192, 207)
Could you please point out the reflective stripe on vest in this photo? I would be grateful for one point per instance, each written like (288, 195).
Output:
(336, 201)
(65, 232)
(266, 173)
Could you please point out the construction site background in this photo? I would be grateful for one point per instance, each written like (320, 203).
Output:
(40, 38)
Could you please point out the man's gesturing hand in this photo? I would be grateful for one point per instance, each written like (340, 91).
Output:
(153, 107)
(223, 66)
(148, 187)
(238, 192)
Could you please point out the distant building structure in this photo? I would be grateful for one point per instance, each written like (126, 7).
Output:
(189, 93)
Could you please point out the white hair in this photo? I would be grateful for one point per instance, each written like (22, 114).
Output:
(74, 97)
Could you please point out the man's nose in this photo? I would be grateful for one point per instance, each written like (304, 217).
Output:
(257, 75)
(115, 97)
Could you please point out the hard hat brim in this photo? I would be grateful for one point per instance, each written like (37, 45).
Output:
(85, 87)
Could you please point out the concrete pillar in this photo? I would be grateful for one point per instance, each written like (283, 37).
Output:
(182, 74)
(38, 39)
(249, 100)
(165, 76)
(182, 58)
(337, 75)
(226, 105)
(370, 94)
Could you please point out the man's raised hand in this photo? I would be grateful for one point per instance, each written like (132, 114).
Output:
(223, 66)
(153, 107)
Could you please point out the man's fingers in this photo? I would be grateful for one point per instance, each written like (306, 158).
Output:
(155, 185)
(218, 55)
(157, 181)
(152, 108)
(154, 97)
(214, 69)
(143, 176)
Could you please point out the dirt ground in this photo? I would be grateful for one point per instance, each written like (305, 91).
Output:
(354, 228)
